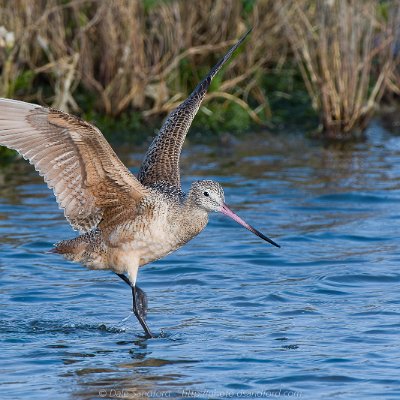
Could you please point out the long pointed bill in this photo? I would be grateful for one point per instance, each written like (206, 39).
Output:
(228, 212)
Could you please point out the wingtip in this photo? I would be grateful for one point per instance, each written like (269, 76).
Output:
(239, 42)
(226, 57)
(247, 33)
(242, 38)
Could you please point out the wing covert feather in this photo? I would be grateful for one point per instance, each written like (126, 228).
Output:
(74, 158)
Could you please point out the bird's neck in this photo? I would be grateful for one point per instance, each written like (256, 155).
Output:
(193, 218)
(190, 207)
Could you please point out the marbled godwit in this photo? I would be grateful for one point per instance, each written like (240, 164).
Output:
(125, 222)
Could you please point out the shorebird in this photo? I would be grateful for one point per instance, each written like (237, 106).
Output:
(124, 221)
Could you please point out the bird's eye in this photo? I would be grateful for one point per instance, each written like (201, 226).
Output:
(206, 194)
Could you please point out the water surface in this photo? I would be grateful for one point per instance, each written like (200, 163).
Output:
(318, 318)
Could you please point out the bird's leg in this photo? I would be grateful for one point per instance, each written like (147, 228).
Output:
(139, 304)
(141, 301)
(140, 297)
(125, 279)
(140, 308)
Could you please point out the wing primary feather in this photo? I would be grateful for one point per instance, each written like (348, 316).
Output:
(161, 162)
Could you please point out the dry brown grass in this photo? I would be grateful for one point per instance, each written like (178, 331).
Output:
(126, 55)
(344, 50)
(393, 81)
(130, 56)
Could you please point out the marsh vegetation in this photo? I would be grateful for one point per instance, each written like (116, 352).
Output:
(124, 64)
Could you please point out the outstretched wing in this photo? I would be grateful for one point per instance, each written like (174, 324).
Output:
(88, 179)
(161, 162)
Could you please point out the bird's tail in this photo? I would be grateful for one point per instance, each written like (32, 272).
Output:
(87, 249)
(73, 249)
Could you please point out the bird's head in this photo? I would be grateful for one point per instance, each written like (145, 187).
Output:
(209, 196)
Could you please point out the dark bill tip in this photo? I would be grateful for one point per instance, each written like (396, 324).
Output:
(267, 239)
(228, 212)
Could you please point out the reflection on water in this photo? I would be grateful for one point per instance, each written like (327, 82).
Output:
(318, 318)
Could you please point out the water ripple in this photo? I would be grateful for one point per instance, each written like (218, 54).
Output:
(234, 317)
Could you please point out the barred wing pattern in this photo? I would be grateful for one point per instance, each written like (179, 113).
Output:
(76, 161)
(161, 162)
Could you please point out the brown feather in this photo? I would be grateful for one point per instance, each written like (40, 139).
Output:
(161, 162)
(76, 161)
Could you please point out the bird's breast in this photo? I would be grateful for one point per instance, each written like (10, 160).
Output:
(169, 233)
(153, 235)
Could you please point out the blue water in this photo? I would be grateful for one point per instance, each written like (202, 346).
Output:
(237, 318)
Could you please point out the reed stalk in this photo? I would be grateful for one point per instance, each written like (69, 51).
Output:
(132, 54)
(344, 50)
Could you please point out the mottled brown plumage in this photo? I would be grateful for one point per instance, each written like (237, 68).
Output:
(124, 222)
(87, 177)
(161, 163)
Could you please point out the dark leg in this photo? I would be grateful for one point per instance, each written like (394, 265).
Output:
(140, 308)
(141, 301)
(125, 279)
(139, 304)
